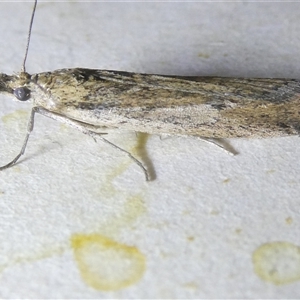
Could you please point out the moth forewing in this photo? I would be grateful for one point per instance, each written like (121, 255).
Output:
(200, 106)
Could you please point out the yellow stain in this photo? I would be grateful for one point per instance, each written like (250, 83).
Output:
(238, 230)
(270, 171)
(140, 150)
(47, 252)
(108, 187)
(277, 262)
(215, 212)
(133, 209)
(227, 180)
(15, 116)
(191, 285)
(203, 55)
(16, 120)
(105, 264)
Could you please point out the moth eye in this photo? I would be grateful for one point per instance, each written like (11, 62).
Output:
(22, 93)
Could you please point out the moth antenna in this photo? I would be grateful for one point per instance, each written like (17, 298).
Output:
(29, 36)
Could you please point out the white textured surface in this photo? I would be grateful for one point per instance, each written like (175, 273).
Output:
(199, 223)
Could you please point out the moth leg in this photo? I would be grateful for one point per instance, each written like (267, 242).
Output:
(29, 130)
(222, 143)
(86, 129)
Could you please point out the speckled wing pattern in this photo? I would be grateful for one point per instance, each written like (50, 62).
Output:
(217, 107)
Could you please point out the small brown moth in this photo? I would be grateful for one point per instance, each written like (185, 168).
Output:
(94, 101)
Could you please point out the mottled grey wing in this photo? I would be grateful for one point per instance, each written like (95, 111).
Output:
(206, 106)
(126, 89)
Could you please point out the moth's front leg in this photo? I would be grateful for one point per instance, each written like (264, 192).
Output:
(29, 130)
(30, 127)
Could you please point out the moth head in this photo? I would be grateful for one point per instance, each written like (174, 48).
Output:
(20, 91)
(14, 85)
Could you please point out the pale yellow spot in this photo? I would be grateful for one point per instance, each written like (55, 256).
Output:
(141, 143)
(238, 230)
(108, 187)
(105, 264)
(277, 262)
(191, 285)
(34, 256)
(189, 188)
(64, 127)
(190, 238)
(203, 55)
(270, 171)
(16, 121)
(133, 208)
(140, 150)
(227, 180)
(17, 169)
(214, 212)
(289, 220)
(15, 116)
(125, 217)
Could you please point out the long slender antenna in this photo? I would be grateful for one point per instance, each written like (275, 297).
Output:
(28, 37)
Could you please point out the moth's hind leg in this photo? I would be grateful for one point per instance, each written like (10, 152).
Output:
(222, 143)
(89, 130)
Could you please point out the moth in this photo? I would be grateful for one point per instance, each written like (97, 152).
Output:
(96, 101)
